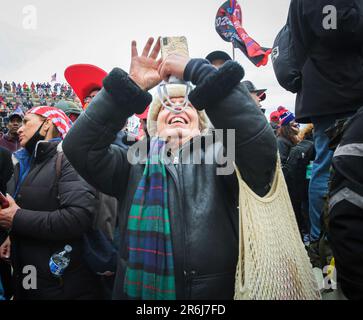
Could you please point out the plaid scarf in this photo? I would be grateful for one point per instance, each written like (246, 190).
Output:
(150, 270)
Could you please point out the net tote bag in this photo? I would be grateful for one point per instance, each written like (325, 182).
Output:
(273, 263)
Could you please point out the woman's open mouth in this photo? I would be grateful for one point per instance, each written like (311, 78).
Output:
(178, 120)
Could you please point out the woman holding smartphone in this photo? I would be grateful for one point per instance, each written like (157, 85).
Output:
(178, 220)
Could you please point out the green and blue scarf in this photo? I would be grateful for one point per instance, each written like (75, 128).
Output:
(150, 270)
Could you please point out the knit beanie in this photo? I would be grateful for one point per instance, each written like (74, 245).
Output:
(286, 118)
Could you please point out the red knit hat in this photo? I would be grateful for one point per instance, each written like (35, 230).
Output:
(275, 116)
(84, 78)
(282, 110)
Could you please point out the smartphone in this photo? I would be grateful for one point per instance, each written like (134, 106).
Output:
(4, 203)
(174, 45)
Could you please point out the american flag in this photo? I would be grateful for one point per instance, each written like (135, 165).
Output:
(54, 78)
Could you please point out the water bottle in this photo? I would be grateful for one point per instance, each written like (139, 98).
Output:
(60, 261)
(309, 170)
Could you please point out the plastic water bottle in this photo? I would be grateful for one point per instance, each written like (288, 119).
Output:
(60, 261)
(309, 170)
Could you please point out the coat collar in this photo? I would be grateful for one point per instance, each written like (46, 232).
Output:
(42, 150)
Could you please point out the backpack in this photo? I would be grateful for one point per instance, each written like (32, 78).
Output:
(284, 61)
(98, 250)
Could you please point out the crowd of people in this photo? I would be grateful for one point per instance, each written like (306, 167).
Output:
(16, 96)
(100, 221)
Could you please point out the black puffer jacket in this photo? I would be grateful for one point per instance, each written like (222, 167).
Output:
(203, 205)
(331, 60)
(50, 218)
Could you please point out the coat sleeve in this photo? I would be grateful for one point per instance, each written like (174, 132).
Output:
(229, 105)
(88, 145)
(73, 218)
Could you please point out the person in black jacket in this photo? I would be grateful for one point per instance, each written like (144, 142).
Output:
(6, 170)
(48, 212)
(202, 205)
(346, 208)
(330, 58)
(287, 135)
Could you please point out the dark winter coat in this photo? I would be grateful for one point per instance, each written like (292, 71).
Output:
(346, 209)
(331, 60)
(51, 216)
(284, 145)
(8, 143)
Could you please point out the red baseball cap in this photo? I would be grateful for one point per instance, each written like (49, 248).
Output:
(84, 78)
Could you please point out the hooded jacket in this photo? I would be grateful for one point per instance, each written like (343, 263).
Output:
(202, 204)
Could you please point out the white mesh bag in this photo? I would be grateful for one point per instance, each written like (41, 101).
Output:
(273, 263)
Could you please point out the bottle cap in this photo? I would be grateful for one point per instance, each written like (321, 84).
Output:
(68, 248)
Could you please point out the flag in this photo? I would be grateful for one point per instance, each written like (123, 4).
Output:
(229, 26)
(54, 78)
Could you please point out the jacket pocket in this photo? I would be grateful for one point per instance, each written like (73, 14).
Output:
(217, 286)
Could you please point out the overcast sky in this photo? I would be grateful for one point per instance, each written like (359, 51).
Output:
(100, 33)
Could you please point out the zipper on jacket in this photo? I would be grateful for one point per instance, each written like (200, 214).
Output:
(181, 217)
(188, 274)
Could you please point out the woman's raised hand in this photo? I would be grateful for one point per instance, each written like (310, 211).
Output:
(144, 68)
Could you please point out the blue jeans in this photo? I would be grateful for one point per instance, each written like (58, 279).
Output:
(320, 174)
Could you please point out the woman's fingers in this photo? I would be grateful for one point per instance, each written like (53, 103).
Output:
(173, 65)
(7, 252)
(164, 71)
(145, 53)
(147, 47)
(156, 50)
(134, 52)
